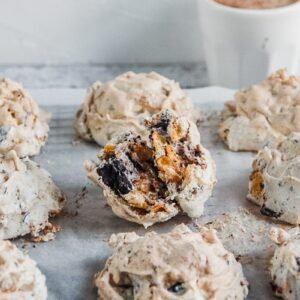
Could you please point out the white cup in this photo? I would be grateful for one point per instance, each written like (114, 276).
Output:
(243, 46)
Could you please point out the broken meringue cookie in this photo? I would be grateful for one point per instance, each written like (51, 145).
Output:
(285, 267)
(124, 103)
(28, 196)
(262, 115)
(177, 265)
(19, 276)
(23, 125)
(150, 179)
(275, 180)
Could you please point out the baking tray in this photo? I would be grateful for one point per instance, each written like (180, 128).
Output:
(80, 249)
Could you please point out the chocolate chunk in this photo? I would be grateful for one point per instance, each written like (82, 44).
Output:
(274, 287)
(270, 213)
(113, 174)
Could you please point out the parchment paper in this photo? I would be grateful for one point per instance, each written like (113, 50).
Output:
(80, 250)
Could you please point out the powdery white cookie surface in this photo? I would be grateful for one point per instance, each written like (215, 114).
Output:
(23, 125)
(20, 279)
(176, 265)
(150, 179)
(262, 115)
(28, 196)
(285, 264)
(124, 102)
(275, 180)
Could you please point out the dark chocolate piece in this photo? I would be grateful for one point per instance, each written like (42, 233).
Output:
(270, 213)
(113, 174)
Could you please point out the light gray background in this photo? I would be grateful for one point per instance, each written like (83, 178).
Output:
(99, 31)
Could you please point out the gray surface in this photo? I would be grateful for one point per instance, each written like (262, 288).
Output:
(80, 250)
(82, 76)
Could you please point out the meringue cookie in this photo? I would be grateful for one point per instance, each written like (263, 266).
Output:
(19, 276)
(262, 115)
(176, 265)
(150, 179)
(275, 180)
(28, 197)
(285, 267)
(23, 125)
(124, 103)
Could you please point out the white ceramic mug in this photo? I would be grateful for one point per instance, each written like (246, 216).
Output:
(243, 46)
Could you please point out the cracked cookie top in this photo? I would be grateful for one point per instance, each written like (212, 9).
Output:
(150, 179)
